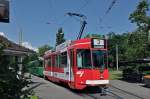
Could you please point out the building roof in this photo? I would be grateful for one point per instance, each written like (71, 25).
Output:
(13, 48)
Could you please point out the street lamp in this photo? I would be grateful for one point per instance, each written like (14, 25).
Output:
(117, 56)
(106, 38)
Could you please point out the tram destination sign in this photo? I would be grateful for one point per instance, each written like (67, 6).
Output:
(98, 43)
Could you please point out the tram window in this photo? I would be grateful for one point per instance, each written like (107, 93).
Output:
(46, 62)
(99, 58)
(56, 60)
(63, 59)
(84, 58)
(53, 60)
(49, 62)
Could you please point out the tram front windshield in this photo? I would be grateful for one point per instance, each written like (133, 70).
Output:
(87, 58)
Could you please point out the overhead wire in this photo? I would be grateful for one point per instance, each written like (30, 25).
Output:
(110, 7)
(83, 6)
(107, 11)
(78, 10)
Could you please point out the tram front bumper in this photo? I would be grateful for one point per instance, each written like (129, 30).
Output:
(97, 82)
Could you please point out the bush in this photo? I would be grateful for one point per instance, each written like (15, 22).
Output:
(135, 73)
(11, 83)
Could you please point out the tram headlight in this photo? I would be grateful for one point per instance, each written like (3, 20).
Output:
(101, 76)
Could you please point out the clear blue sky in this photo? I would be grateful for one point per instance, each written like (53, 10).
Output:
(32, 16)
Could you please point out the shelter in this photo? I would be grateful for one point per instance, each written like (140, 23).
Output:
(14, 50)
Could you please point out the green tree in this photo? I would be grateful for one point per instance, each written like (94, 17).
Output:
(43, 49)
(28, 59)
(119, 40)
(60, 36)
(11, 83)
(139, 40)
(139, 16)
(94, 36)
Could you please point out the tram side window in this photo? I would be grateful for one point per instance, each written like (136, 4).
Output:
(45, 62)
(53, 60)
(63, 59)
(48, 62)
(56, 60)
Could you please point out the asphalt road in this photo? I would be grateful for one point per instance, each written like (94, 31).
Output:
(117, 90)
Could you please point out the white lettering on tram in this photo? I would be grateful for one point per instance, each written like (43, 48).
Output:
(80, 73)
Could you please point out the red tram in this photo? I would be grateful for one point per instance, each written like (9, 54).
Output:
(78, 63)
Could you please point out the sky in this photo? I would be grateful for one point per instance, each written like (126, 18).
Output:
(39, 20)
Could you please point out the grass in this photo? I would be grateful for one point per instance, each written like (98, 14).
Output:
(115, 75)
(33, 97)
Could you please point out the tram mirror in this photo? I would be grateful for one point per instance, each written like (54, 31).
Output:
(4, 11)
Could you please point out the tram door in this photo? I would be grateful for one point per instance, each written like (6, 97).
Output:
(52, 64)
(71, 64)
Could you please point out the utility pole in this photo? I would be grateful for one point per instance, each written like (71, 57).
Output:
(106, 38)
(20, 37)
(149, 36)
(117, 56)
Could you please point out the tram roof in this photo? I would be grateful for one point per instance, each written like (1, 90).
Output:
(81, 43)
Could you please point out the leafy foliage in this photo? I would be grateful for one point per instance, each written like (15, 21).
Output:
(141, 35)
(131, 46)
(142, 20)
(28, 59)
(139, 16)
(11, 83)
(94, 36)
(43, 49)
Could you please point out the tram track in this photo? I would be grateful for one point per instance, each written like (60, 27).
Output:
(112, 93)
(127, 92)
